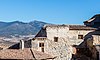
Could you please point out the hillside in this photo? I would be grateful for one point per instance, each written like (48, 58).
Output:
(16, 28)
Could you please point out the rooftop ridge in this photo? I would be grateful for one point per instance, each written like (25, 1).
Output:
(93, 18)
(62, 25)
(71, 26)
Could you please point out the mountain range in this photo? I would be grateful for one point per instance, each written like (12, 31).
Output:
(16, 28)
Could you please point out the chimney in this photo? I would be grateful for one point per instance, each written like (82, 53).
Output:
(21, 44)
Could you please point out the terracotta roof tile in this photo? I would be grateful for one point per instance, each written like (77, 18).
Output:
(41, 55)
(16, 54)
(26, 53)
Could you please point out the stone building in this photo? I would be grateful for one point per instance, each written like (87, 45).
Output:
(61, 42)
(59, 39)
(66, 42)
(23, 51)
(91, 41)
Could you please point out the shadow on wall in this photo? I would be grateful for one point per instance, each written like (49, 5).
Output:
(15, 46)
(86, 50)
(27, 44)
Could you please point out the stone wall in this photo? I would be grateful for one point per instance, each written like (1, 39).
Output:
(96, 42)
(35, 43)
(73, 36)
(27, 44)
(62, 49)
(96, 39)
(66, 38)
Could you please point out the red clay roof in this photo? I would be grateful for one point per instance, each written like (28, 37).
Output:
(22, 54)
(40, 55)
(16, 54)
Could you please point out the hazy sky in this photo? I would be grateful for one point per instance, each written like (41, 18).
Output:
(51, 11)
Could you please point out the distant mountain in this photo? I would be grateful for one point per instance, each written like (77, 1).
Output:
(8, 29)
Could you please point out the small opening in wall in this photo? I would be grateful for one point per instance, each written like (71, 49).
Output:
(55, 39)
(42, 49)
(41, 44)
(80, 36)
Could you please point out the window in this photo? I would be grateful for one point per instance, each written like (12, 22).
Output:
(41, 44)
(80, 36)
(42, 49)
(55, 39)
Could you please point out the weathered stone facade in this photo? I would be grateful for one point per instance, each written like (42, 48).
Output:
(58, 40)
(62, 49)
(73, 36)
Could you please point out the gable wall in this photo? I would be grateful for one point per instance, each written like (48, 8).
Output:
(73, 36)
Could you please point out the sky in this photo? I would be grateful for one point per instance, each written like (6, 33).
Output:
(50, 11)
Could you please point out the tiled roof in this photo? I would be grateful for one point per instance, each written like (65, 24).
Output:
(80, 27)
(73, 27)
(23, 54)
(90, 20)
(93, 18)
(54, 25)
(16, 54)
(41, 33)
(5, 44)
(40, 55)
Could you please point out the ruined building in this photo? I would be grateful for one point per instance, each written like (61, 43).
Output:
(60, 42)
(66, 42)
